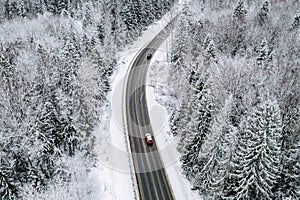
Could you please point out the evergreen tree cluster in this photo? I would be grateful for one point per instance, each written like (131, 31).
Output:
(56, 59)
(125, 20)
(235, 71)
(48, 112)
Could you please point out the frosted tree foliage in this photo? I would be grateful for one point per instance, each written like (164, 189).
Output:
(56, 59)
(216, 154)
(240, 11)
(181, 48)
(199, 126)
(264, 12)
(209, 51)
(256, 163)
(296, 22)
(248, 51)
(264, 55)
(289, 184)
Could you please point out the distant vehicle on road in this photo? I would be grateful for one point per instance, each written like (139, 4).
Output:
(149, 56)
(149, 139)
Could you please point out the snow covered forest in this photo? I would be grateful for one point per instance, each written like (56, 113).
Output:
(235, 67)
(56, 57)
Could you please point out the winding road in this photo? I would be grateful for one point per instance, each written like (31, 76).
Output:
(149, 170)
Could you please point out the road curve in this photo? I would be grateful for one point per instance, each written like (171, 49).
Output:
(149, 170)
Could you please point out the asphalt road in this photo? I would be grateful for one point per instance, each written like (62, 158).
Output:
(149, 170)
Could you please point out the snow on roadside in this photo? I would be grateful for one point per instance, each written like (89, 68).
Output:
(117, 181)
(159, 119)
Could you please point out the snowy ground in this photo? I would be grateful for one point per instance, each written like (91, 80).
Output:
(115, 169)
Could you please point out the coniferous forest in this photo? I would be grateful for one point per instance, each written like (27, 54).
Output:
(56, 57)
(235, 67)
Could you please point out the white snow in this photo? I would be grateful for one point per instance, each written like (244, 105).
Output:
(115, 164)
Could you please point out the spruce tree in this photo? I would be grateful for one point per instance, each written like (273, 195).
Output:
(240, 11)
(263, 52)
(87, 17)
(130, 19)
(22, 9)
(288, 186)
(202, 107)
(289, 182)
(239, 29)
(9, 189)
(256, 168)
(264, 12)
(264, 55)
(180, 50)
(192, 142)
(173, 121)
(296, 22)
(209, 51)
(215, 155)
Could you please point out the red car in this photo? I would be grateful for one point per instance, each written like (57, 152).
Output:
(149, 139)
